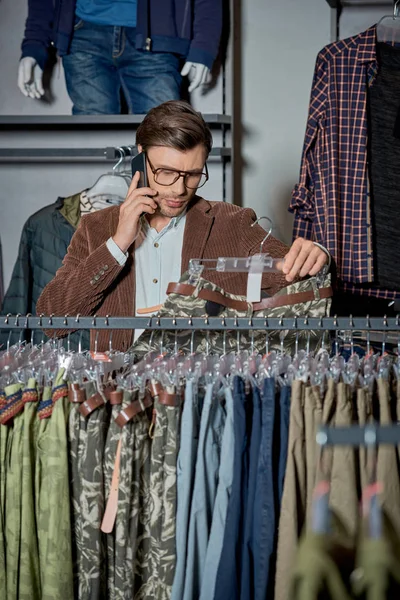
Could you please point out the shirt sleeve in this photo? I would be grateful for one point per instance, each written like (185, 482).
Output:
(303, 198)
(116, 251)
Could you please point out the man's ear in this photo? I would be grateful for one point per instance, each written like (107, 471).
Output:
(140, 149)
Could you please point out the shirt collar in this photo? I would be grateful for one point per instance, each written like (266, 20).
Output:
(366, 50)
(173, 224)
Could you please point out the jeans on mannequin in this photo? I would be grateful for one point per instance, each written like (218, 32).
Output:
(103, 60)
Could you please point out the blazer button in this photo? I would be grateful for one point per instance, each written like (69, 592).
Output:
(96, 277)
(92, 282)
(105, 267)
(101, 272)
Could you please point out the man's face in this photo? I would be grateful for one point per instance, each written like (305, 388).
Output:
(173, 199)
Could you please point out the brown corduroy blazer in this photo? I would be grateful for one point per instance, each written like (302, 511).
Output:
(92, 282)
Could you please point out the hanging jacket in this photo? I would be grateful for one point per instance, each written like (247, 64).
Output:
(189, 28)
(44, 242)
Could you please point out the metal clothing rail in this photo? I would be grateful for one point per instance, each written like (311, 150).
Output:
(216, 323)
(29, 155)
(370, 435)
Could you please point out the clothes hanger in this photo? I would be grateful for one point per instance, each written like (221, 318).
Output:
(110, 187)
(231, 264)
(388, 28)
(254, 266)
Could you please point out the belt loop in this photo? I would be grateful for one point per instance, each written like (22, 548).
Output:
(317, 295)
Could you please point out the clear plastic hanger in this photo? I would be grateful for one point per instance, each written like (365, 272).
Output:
(388, 28)
(231, 264)
(112, 187)
(254, 265)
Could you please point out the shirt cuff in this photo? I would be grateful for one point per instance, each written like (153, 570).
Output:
(326, 252)
(116, 251)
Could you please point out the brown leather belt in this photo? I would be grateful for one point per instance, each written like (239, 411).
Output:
(185, 289)
(163, 396)
(129, 412)
(91, 404)
(76, 394)
(291, 299)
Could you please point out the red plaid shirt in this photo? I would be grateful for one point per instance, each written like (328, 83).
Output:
(331, 201)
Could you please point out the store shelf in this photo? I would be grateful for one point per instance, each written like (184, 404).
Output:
(14, 122)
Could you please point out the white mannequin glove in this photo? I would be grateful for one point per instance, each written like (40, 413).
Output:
(30, 78)
(197, 73)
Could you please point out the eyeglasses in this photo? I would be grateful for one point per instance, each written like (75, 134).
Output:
(192, 181)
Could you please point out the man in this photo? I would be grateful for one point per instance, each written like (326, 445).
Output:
(121, 259)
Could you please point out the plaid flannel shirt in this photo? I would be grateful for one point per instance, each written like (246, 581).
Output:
(331, 202)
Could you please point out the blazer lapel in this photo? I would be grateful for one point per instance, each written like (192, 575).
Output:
(197, 229)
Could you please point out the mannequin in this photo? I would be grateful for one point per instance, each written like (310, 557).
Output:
(102, 55)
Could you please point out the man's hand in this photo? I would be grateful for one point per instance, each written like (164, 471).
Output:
(137, 201)
(304, 258)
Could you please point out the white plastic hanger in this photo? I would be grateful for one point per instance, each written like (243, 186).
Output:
(112, 187)
(388, 28)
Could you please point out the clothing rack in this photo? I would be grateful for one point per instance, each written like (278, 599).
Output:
(385, 324)
(370, 435)
(109, 154)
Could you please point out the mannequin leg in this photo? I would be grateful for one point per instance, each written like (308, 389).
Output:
(90, 71)
(147, 78)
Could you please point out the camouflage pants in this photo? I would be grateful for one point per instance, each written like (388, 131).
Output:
(178, 305)
(161, 557)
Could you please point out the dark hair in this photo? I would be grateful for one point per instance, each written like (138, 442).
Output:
(174, 124)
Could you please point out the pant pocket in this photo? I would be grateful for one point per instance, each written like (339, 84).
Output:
(78, 24)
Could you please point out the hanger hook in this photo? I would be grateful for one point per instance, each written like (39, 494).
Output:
(121, 158)
(396, 8)
(268, 232)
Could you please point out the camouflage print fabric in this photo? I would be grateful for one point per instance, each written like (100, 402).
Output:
(121, 529)
(13, 497)
(92, 566)
(164, 453)
(53, 507)
(192, 306)
(134, 473)
(110, 451)
(29, 582)
(140, 508)
(76, 427)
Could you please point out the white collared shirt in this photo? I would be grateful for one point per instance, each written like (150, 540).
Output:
(158, 260)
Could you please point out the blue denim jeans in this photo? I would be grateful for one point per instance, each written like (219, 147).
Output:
(103, 60)
(247, 583)
(204, 492)
(190, 425)
(264, 522)
(228, 582)
(225, 477)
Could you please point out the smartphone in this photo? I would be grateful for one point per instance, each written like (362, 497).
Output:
(138, 163)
